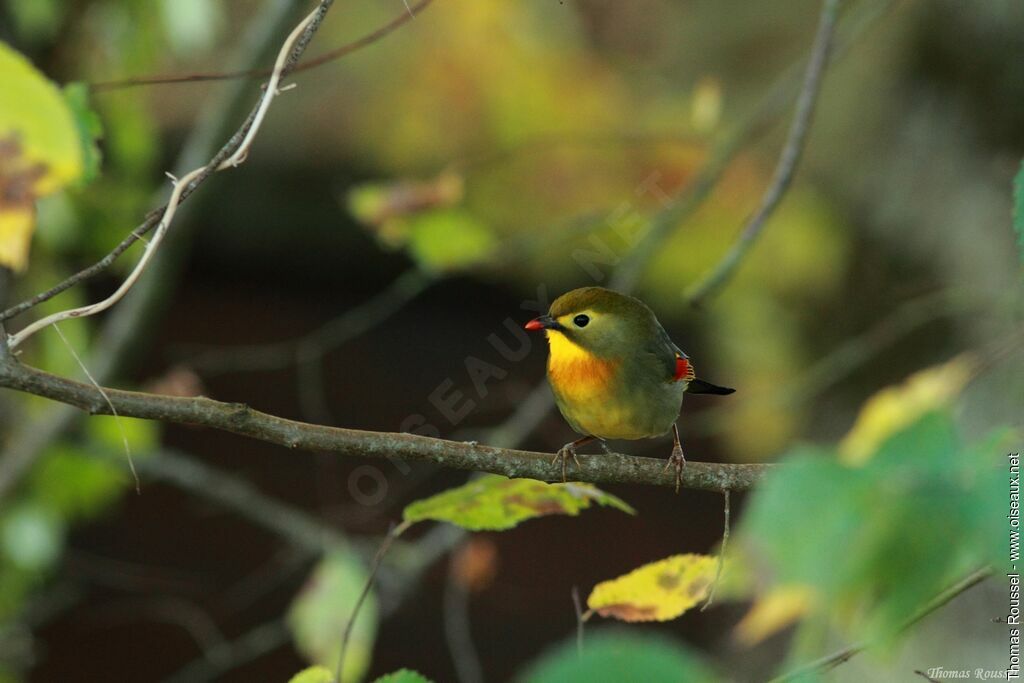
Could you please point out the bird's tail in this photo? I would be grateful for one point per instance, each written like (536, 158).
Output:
(699, 386)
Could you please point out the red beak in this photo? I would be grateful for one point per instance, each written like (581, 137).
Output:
(545, 322)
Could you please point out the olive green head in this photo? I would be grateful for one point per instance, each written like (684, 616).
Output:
(604, 322)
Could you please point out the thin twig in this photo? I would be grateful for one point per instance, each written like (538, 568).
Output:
(243, 498)
(240, 419)
(786, 166)
(627, 273)
(122, 329)
(841, 361)
(315, 344)
(374, 566)
(252, 644)
(581, 619)
(113, 410)
(721, 554)
(833, 660)
(320, 60)
(230, 155)
(296, 41)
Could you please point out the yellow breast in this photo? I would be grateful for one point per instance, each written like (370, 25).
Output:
(577, 374)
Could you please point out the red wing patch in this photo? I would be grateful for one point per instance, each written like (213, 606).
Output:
(684, 371)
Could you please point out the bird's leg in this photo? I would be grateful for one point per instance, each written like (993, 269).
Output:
(677, 458)
(569, 449)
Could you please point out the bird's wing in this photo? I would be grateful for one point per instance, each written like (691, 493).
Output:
(676, 364)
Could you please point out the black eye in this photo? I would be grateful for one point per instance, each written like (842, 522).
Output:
(581, 320)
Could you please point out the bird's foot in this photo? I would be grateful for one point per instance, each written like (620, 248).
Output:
(563, 454)
(677, 460)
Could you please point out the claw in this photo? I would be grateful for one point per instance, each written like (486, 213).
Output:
(563, 454)
(678, 460)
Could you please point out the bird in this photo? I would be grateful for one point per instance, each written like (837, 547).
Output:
(614, 371)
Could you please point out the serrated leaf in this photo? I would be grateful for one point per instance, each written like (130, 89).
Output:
(314, 674)
(1018, 210)
(894, 408)
(403, 676)
(612, 655)
(90, 128)
(39, 151)
(495, 503)
(319, 613)
(658, 591)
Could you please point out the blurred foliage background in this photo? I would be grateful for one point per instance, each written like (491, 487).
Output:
(442, 174)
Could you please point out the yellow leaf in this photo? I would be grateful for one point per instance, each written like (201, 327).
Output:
(658, 591)
(896, 407)
(314, 674)
(40, 150)
(15, 234)
(773, 612)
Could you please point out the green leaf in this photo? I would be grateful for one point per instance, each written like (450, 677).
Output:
(89, 125)
(1018, 209)
(74, 484)
(314, 674)
(318, 616)
(449, 239)
(403, 676)
(658, 591)
(495, 503)
(108, 433)
(36, 20)
(866, 546)
(39, 151)
(33, 113)
(614, 655)
(31, 537)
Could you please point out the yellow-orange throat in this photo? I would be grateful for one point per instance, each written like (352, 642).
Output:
(576, 373)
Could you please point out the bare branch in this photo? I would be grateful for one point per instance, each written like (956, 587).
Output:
(120, 331)
(627, 273)
(330, 56)
(242, 497)
(786, 166)
(293, 47)
(315, 344)
(229, 156)
(240, 419)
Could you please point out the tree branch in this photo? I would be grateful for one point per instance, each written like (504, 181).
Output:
(294, 45)
(230, 155)
(786, 166)
(234, 493)
(120, 331)
(241, 419)
(337, 53)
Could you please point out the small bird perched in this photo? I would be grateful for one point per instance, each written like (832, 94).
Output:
(615, 372)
